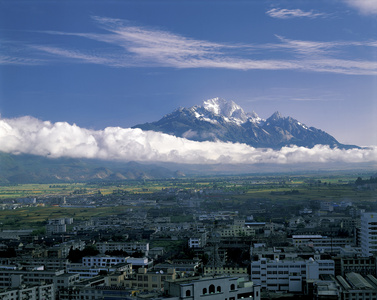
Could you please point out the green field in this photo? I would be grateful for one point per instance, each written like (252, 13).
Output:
(36, 217)
(236, 192)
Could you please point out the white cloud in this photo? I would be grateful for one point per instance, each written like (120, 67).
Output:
(283, 13)
(33, 136)
(135, 46)
(367, 7)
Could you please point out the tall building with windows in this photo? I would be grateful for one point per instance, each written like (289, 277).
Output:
(368, 234)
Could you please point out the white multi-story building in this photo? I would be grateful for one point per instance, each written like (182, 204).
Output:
(55, 226)
(129, 247)
(102, 261)
(368, 234)
(288, 275)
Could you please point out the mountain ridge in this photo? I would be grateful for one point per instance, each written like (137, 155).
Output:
(222, 120)
(28, 168)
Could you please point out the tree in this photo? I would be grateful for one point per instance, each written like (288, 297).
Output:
(76, 255)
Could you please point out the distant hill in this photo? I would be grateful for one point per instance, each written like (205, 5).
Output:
(25, 168)
(221, 120)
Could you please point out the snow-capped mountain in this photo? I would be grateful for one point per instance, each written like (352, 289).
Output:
(221, 120)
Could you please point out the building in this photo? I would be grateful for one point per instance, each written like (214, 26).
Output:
(198, 240)
(56, 226)
(288, 275)
(319, 242)
(230, 288)
(12, 277)
(237, 229)
(129, 247)
(356, 287)
(188, 266)
(102, 261)
(361, 265)
(146, 281)
(30, 292)
(232, 270)
(46, 262)
(85, 289)
(368, 234)
(62, 250)
(90, 272)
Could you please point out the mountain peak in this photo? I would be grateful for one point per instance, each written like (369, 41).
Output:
(275, 116)
(222, 120)
(220, 106)
(228, 109)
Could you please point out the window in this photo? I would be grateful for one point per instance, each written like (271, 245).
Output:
(204, 291)
(232, 287)
(211, 289)
(188, 293)
(218, 289)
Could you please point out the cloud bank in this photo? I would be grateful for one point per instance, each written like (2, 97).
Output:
(32, 136)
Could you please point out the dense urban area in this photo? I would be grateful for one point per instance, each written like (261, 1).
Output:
(245, 237)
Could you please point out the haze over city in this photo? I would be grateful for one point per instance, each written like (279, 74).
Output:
(76, 75)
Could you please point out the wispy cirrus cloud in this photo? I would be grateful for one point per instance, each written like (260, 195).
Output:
(284, 13)
(127, 45)
(367, 7)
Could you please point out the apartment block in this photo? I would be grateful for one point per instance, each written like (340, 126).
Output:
(102, 261)
(368, 234)
(288, 275)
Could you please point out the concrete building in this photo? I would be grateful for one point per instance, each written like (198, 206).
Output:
(237, 229)
(30, 292)
(90, 272)
(129, 247)
(361, 265)
(231, 270)
(288, 275)
(102, 261)
(322, 243)
(62, 250)
(217, 288)
(188, 266)
(198, 240)
(12, 276)
(356, 287)
(85, 289)
(368, 234)
(145, 280)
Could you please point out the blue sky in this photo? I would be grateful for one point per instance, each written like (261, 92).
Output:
(120, 63)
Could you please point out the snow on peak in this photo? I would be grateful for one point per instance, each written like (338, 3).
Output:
(227, 109)
(230, 111)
